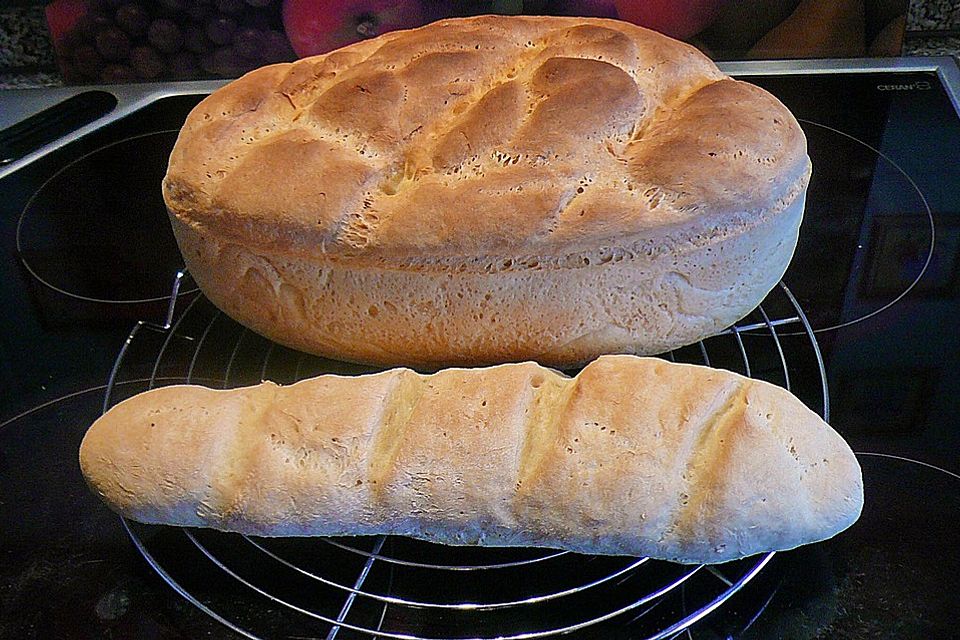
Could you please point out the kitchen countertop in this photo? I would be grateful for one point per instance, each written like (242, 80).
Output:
(932, 45)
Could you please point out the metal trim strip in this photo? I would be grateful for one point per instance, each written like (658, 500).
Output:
(131, 98)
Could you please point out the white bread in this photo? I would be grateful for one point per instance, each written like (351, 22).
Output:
(633, 456)
(489, 189)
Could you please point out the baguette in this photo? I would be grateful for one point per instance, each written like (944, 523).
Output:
(633, 456)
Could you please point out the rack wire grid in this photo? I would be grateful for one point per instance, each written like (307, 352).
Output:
(394, 587)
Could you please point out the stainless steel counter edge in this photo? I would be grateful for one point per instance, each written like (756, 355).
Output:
(19, 104)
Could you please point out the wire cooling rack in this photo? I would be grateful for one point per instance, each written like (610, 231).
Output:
(394, 587)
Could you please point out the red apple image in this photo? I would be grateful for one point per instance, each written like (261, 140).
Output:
(679, 19)
(318, 26)
(63, 16)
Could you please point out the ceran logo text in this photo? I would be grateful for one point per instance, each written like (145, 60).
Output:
(919, 85)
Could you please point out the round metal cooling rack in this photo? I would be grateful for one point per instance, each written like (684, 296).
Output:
(394, 587)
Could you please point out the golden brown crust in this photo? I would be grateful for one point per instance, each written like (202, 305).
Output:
(486, 190)
(634, 456)
(486, 137)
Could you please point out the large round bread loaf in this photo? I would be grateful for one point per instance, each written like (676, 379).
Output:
(489, 189)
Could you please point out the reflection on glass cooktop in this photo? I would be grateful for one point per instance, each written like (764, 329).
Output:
(88, 254)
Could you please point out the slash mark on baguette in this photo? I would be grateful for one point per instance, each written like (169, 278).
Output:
(238, 466)
(707, 458)
(399, 405)
(549, 402)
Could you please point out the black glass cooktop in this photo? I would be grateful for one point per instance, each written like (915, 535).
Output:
(87, 253)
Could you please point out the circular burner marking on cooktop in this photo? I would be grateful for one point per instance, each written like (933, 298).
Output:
(831, 252)
(97, 229)
(895, 573)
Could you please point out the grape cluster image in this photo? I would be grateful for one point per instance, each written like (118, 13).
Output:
(121, 41)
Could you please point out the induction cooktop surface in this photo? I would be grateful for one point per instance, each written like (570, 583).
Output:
(94, 307)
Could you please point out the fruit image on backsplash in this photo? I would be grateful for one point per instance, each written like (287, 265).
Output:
(122, 41)
(104, 41)
(318, 26)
